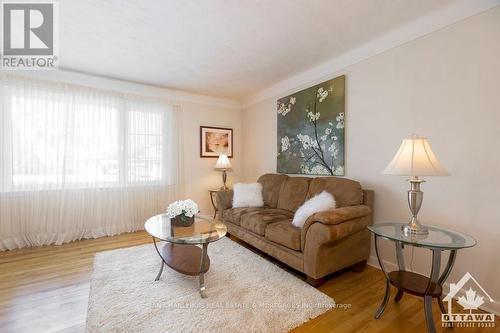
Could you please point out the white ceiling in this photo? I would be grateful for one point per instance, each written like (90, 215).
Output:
(221, 48)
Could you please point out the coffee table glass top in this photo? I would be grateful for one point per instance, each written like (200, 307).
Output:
(439, 238)
(204, 230)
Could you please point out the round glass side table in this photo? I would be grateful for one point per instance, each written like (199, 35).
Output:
(438, 240)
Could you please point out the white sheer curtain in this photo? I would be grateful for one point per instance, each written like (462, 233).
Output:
(77, 162)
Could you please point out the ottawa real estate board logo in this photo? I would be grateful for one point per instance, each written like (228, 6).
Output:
(470, 296)
(29, 35)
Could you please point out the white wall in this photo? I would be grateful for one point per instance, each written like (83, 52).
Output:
(445, 86)
(199, 175)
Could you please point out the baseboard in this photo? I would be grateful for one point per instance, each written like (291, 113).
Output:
(391, 266)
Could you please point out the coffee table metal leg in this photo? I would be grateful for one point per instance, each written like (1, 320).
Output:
(162, 261)
(202, 266)
(161, 270)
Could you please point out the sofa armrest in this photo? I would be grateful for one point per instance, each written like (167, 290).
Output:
(224, 201)
(334, 224)
(369, 198)
(339, 245)
(339, 215)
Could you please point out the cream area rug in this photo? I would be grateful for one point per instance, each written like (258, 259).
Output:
(246, 293)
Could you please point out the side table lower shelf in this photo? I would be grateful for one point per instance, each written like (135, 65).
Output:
(415, 284)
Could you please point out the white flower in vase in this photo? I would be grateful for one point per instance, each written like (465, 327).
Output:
(182, 207)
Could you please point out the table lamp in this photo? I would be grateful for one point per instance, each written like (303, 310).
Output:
(223, 165)
(415, 158)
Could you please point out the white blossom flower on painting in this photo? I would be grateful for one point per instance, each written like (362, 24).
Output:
(340, 120)
(322, 94)
(313, 116)
(182, 207)
(334, 150)
(283, 108)
(328, 130)
(285, 143)
(323, 137)
(306, 141)
(317, 169)
(292, 100)
(339, 171)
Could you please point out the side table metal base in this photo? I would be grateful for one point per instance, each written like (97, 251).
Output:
(387, 295)
(416, 284)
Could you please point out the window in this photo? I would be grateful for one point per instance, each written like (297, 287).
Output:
(60, 137)
(144, 147)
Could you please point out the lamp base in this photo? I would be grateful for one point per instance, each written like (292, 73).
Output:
(414, 228)
(415, 198)
(224, 179)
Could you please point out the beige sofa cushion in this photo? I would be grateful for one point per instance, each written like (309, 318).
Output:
(271, 185)
(258, 221)
(233, 215)
(346, 192)
(293, 193)
(284, 233)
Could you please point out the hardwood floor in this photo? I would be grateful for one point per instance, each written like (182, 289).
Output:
(46, 289)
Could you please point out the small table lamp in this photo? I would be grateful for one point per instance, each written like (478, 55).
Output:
(415, 158)
(223, 165)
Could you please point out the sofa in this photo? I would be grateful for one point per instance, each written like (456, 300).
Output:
(328, 242)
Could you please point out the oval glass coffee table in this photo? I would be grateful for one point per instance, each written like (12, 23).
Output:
(438, 240)
(185, 247)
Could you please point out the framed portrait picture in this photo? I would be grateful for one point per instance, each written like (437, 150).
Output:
(215, 141)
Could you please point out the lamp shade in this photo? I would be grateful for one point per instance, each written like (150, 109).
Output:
(415, 158)
(223, 164)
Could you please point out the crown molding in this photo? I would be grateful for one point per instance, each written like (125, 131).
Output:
(127, 87)
(415, 29)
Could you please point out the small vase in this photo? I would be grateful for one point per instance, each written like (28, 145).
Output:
(183, 221)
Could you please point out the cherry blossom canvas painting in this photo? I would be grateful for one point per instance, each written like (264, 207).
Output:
(311, 127)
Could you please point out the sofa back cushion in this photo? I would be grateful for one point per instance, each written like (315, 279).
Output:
(346, 192)
(293, 193)
(271, 185)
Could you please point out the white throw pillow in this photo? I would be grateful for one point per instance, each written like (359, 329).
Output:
(318, 203)
(247, 195)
